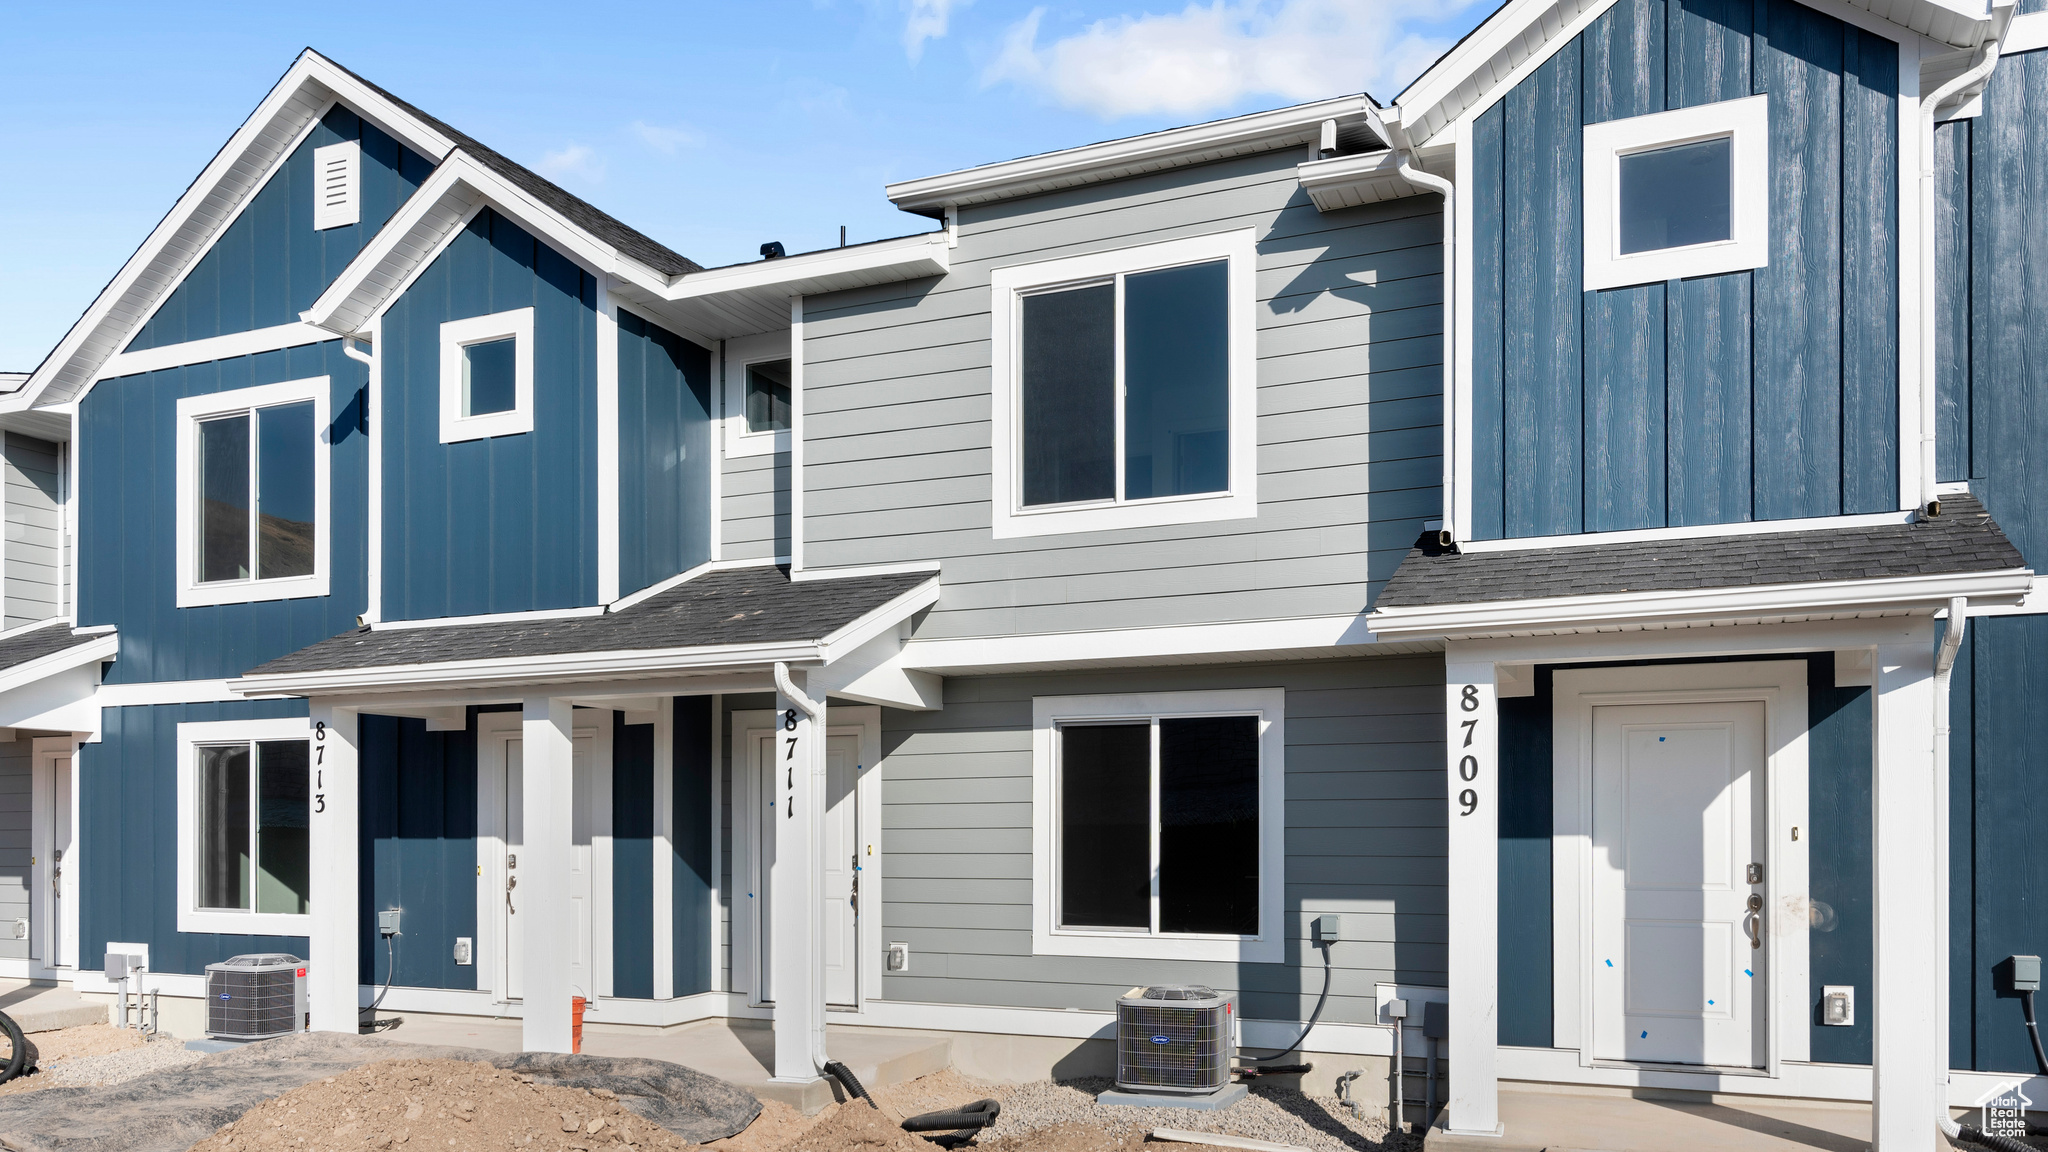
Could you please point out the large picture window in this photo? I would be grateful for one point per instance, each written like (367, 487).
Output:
(1123, 388)
(245, 811)
(252, 494)
(1159, 825)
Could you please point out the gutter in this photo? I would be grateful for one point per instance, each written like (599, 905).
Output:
(1977, 73)
(1396, 134)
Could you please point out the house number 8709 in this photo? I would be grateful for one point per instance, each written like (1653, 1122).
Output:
(1468, 765)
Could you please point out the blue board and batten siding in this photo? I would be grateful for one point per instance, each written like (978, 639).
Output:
(664, 454)
(1747, 396)
(507, 523)
(128, 521)
(270, 263)
(1991, 240)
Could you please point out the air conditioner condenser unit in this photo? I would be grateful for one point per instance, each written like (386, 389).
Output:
(255, 997)
(1175, 1038)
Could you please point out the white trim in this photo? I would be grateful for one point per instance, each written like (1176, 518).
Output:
(1457, 438)
(1174, 147)
(826, 270)
(683, 577)
(1472, 886)
(1048, 938)
(740, 352)
(191, 917)
(165, 692)
(716, 494)
(1249, 637)
(1746, 124)
(1693, 606)
(1695, 532)
(1780, 686)
(796, 434)
(45, 751)
(340, 163)
(229, 347)
(1911, 219)
(516, 325)
(488, 618)
(663, 879)
(88, 650)
(2025, 34)
(715, 817)
(191, 411)
(609, 530)
(1011, 518)
(373, 394)
(852, 570)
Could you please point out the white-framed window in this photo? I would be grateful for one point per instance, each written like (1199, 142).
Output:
(758, 378)
(245, 796)
(487, 376)
(253, 494)
(1676, 194)
(337, 185)
(1159, 825)
(1123, 388)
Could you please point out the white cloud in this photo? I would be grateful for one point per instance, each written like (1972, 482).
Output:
(576, 162)
(1210, 56)
(926, 20)
(666, 140)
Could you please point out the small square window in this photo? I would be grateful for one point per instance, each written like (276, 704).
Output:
(487, 376)
(1677, 194)
(252, 493)
(767, 396)
(1676, 197)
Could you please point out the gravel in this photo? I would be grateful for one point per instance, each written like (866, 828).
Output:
(115, 1067)
(1266, 1113)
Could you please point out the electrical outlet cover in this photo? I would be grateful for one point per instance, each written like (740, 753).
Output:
(462, 950)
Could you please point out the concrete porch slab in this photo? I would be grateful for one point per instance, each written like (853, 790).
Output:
(47, 1007)
(739, 1052)
(1571, 1119)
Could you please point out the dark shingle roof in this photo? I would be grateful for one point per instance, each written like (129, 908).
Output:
(1963, 538)
(36, 643)
(586, 216)
(730, 606)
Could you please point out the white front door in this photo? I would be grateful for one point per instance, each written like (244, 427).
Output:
(582, 872)
(840, 856)
(60, 950)
(1677, 854)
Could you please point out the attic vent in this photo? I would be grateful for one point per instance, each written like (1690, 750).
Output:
(337, 185)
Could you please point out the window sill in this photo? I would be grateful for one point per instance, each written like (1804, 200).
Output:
(1160, 512)
(245, 923)
(251, 591)
(742, 443)
(1117, 945)
(517, 422)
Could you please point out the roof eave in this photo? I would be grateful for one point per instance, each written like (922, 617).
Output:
(87, 651)
(1700, 606)
(570, 668)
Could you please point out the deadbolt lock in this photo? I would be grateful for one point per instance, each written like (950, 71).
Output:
(1756, 873)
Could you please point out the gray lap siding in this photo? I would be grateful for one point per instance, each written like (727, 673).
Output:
(1364, 837)
(896, 417)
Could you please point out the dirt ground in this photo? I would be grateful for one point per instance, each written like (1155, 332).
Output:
(439, 1104)
(67, 1044)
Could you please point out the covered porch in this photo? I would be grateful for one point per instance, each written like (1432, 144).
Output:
(554, 704)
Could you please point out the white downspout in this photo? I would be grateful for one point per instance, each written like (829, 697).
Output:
(1411, 170)
(1987, 59)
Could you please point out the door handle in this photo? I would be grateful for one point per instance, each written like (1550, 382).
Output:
(1753, 920)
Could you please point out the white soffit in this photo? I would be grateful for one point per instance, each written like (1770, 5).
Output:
(745, 298)
(1115, 159)
(308, 88)
(1366, 178)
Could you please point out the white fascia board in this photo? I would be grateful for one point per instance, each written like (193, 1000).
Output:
(410, 240)
(234, 344)
(236, 172)
(1364, 178)
(1698, 531)
(2025, 34)
(576, 666)
(1113, 159)
(1301, 635)
(100, 648)
(874, 622)
(906, 258)
(1700, 606)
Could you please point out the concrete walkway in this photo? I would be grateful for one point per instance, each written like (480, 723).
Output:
(47, 1007)
(1581, 1120)
(739, 1052)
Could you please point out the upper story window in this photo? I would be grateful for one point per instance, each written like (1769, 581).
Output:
(245, 802)
(1133, 795)
(1123, 388)
(1677, 194)
(252, 494)
(487, 376)
(759, 401)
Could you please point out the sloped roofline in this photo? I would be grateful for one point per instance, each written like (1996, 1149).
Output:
(1521, 34)
(302, 95)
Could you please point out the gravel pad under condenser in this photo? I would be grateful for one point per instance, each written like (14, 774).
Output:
(1280, 1115)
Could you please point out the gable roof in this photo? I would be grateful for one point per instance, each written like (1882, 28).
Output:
(238, 171)
(1521, 34)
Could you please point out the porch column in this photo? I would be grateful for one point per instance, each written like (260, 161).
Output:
(1909, 873)
(547, 765)
(332, 978)
(1472, 936)
(797, 910)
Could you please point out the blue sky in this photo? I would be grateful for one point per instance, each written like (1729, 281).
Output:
(712, 128)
